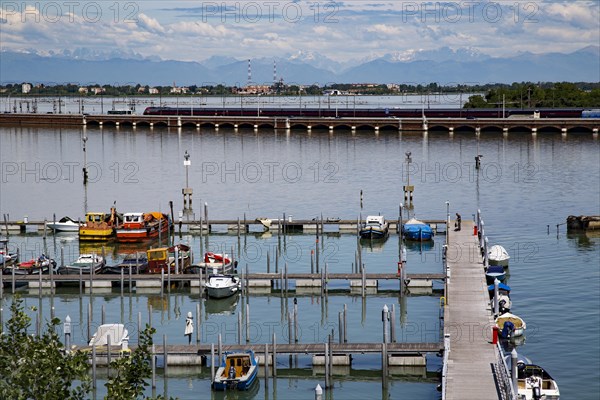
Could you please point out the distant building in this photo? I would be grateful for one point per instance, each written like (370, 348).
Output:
(26, 88)
(98, 90)
(142, 89)
(83, 90)
(153, 90)
(254, 89)
(179, 90)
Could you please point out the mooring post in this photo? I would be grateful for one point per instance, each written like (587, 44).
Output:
(239, 327)
(212, 363)
(139, 329)
(162, 281)
(312, 261)
(345, 323)
(363, 281)
(266, 365)
(108, 354)
(165, 357)
(219, 346)
(496, 305)
(513, 370)
(89, 322)
(385, 319)
(198, 318)
(247, 323)
(94, 365)
(122, 279)
(67, 330)
(153, 361)
(103, 315)
(274, 356)
(326, 357)
(268, 262)
(340, 327)
(295, 320)
(80, 282)
(393, 324)
(137, 266)
(290, 332)
(384, 364)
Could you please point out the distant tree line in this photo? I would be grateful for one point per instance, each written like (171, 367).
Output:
(546, 95)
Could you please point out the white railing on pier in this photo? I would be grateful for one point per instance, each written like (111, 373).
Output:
(503, 376)
(445, 365)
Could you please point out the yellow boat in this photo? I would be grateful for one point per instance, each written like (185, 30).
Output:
(99, 226)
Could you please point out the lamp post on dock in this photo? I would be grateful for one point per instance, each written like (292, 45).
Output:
(187, 191)
(447, 222)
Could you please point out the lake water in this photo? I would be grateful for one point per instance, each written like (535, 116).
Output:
(526, 186)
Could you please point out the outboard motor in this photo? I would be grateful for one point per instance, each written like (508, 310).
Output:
(508, 329)
(502, 306)
(537, 395)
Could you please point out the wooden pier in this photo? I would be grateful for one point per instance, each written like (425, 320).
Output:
(468, 320)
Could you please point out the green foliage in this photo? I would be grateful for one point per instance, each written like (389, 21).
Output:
(130, 373)
(38, 368)
(541, 95)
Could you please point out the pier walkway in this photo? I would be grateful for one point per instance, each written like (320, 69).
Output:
(468, 321)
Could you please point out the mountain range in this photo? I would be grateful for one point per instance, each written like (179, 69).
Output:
(444, 65)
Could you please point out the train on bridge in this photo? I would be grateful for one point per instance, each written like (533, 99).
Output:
(471, 113)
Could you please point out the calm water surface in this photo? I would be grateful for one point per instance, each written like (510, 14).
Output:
(525, 185)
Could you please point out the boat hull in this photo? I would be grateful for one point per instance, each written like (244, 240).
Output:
(373, 234)
(87, 234)
(243, 383)
(63, 227)
(221, 292)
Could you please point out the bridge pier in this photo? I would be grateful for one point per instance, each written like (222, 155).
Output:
(478, 131)
(179, 122)
(84, 121)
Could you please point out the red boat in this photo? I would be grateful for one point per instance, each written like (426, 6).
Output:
(138, 227)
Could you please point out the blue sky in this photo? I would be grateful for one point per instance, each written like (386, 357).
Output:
(341, 30)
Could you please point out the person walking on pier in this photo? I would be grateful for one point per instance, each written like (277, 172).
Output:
(458, 220)
(189, 327)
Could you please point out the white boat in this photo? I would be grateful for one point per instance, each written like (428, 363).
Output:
(119, 339)
(65, 224)
(497, 255)
(221, 286)
(510, 325)
(375, 227)
(213, 263)
(534, 383)
(84, 263)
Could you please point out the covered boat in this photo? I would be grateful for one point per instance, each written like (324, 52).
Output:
(220, 286)
(138, 226)
(534, 383)
(504, 302)
(414, 229)
(510, 325)
(65, 224)
(497, 255)
(238, 370)
(84, 263)
(137, 263)
(7, 258)
(495, 272)
(375, 227)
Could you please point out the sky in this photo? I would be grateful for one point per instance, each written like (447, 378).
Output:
(339, 30)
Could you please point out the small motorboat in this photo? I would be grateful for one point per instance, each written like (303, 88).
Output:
(214, 263)
(414, 229)
(164, 259)
(504, 303)
(65, 224)
(510, 325)
(497, 255)
(34, 266)
(84, 263)
(137, 263)
(238, 370)
(495, 272)
(220, 286)
(534, 383)
(375, 227)
(138, 227)
(7, 258)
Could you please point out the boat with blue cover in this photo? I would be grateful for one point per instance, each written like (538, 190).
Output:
(238, 370)
(414, 229)
(495, 272)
